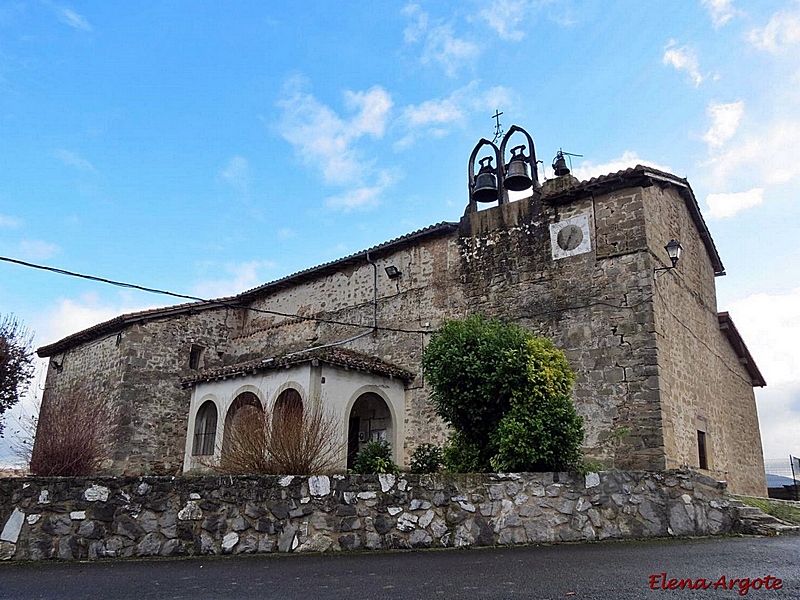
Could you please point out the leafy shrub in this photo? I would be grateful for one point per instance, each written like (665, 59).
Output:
(375, 457)
(507, 396)
(426, 458)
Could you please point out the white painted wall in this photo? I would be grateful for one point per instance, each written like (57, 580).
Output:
(338, 393)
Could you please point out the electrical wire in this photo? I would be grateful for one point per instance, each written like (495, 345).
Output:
(231, 303)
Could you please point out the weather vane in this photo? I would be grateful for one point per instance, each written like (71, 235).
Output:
(498, 129)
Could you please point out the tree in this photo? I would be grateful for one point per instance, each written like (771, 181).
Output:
(16, 363)
(507, 396)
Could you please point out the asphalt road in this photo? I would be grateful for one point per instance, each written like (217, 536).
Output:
(594, 571)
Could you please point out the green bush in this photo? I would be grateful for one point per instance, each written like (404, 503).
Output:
(507, 396)
(375, 457)
(426, 458)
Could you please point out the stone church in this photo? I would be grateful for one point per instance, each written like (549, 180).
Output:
(663, 379)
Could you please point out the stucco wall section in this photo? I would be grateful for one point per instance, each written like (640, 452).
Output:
(340, 389)
(703, 384)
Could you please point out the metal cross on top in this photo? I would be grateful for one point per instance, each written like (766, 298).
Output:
(498, 129)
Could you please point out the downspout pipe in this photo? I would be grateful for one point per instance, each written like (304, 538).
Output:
(374, 293)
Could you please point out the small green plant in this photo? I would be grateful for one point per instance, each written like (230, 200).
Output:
(426, 458)
(375, 457)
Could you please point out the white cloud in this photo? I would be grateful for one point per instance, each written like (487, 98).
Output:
(683, 58)
(70, 315)
(725, 119)
(242, 277)
(73, 19)
(364, 197)
(418, 25)
(236, 173)
(440, 45)
(782, 30)
(779, 417)
(286, 233)
(322, 138)
(373, 108)
(328, 141)
(10, 222)
(71, 159)
(587, 169)
(358, 198)
(727, 205)
(437, 115)
(750, 155)
(433, 111)
(37, 249)
(721, 11)
(504, 16)
(770, 325)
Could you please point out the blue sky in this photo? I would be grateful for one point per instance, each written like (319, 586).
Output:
(206, 148)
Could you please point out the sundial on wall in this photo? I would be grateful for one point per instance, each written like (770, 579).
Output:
(570, 237)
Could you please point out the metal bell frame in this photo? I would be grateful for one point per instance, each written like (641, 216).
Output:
(496, 171)
(530, 160)
(500, 171)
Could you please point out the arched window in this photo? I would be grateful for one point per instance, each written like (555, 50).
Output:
(244, 415)
(288, 411)
(205, 430)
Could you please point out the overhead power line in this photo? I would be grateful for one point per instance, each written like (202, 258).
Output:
(222, 302)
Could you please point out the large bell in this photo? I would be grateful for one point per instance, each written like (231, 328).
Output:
(517, 178)
(560, 165)
(485, 183)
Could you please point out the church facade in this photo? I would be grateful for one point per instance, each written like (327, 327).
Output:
(663, 379)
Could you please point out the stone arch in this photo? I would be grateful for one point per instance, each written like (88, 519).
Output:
(370, 417)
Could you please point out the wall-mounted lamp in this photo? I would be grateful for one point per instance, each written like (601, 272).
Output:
(673, 249)
(393, 272)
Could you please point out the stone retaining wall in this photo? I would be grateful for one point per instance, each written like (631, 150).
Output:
(80, 518)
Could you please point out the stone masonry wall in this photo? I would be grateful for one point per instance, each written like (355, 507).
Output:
(140, 369)
(600, 307)
(703, 384)
(162, 516)
(595, 306)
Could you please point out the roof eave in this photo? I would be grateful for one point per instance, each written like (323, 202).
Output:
(645, 177)
(737, 342)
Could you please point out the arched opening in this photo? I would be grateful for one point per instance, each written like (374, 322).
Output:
(244, 413)
(287, 415)
(370, 420)
(205, 430)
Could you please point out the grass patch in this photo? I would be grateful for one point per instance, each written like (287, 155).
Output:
(785, 511)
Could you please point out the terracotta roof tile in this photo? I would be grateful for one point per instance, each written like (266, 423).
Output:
(340, 357)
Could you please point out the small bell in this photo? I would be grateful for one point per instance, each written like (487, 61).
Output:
(517, 178)
(560, 165)
(485, 183)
